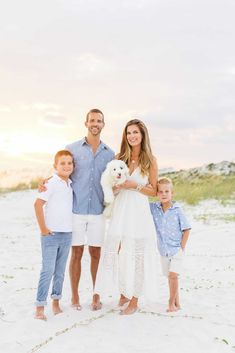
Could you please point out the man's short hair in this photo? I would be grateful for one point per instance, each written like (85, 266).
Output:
(94, 111)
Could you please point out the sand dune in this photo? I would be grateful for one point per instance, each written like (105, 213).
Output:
(205, 324)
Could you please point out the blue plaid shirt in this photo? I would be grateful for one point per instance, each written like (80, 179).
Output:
(169, 227)
(88, 195)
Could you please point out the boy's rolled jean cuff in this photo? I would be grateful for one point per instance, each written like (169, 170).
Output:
(42, 303)
(56, 296)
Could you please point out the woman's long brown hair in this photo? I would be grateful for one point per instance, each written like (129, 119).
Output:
(146, 156)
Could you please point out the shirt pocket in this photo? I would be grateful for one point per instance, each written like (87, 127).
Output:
(82, 163)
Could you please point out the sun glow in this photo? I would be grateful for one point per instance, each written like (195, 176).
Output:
(18, 144)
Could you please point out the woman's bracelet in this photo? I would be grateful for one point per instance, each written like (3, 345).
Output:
(139, 187)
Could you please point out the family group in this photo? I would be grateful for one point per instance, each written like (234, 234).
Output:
(124, 251)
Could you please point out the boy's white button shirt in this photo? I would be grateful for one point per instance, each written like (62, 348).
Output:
(59, 204)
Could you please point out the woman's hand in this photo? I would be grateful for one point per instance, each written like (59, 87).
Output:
(128, 184)
(116, 189)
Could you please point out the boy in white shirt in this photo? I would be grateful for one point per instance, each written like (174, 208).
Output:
(53, 209)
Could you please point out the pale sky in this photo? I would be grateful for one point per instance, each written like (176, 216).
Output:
(169, 63)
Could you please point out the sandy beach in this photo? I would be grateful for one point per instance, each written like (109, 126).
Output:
(206, 322)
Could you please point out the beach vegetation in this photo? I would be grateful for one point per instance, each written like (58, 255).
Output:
(195, 188)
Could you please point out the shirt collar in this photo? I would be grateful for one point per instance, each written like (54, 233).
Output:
(60, 179)
(101, 145)
(173, 206)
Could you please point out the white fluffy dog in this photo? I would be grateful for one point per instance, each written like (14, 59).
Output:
(115, 173)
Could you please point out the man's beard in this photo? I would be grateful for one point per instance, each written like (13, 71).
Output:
(95, 131)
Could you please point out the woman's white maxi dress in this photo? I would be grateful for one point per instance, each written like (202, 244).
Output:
(129, 262)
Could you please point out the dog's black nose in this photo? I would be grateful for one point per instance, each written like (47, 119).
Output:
(119, 174)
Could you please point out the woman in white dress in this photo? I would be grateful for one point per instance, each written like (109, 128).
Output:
(128, 262)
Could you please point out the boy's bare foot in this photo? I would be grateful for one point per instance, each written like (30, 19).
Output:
(171, 308)
(39, 314)
(96, 303)
(56, 307)
(123, 300)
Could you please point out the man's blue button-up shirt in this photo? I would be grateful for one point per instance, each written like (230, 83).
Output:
(88, 195)
(169, 227)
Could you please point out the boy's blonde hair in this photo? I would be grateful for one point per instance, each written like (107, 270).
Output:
(165, 180)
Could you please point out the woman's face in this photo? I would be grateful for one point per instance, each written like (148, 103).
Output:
(133, 135)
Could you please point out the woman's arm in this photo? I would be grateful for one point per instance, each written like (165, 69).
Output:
(148, 190)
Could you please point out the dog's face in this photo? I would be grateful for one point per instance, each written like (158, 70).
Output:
(118, 171)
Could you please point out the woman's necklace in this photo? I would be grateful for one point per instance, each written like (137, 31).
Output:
(134, 160)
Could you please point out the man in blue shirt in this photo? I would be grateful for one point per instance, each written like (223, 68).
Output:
(91, 156)
(172, 230)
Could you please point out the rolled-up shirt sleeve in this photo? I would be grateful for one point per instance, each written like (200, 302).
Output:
(184, 224)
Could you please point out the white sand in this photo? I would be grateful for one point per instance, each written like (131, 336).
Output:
(205, 324)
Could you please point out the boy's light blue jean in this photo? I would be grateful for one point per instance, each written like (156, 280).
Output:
(55, 251)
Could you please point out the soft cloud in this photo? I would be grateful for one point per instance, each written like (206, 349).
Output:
(169, 63)
(45, 106)
(5, 109)
(89, 64)
(54, 120)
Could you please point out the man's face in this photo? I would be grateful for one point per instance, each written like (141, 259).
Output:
(95, 123)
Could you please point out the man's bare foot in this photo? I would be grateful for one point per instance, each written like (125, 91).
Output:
(123, 300)
(171, 308)
(56, 307)
(178, 307)
(39, 314)
(129, 310)
(96, 303)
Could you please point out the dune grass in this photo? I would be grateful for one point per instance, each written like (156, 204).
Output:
(194, 190)
(22, 186)
(191, 189)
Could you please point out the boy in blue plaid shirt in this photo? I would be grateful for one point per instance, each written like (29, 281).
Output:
(172, 230)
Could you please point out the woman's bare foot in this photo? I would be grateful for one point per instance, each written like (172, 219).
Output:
(56, 307)
(129, 310)
(39, 314)
(96, 303)
(123, 300)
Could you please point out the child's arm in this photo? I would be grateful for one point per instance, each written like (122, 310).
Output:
(38, 206)
(185, 236)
